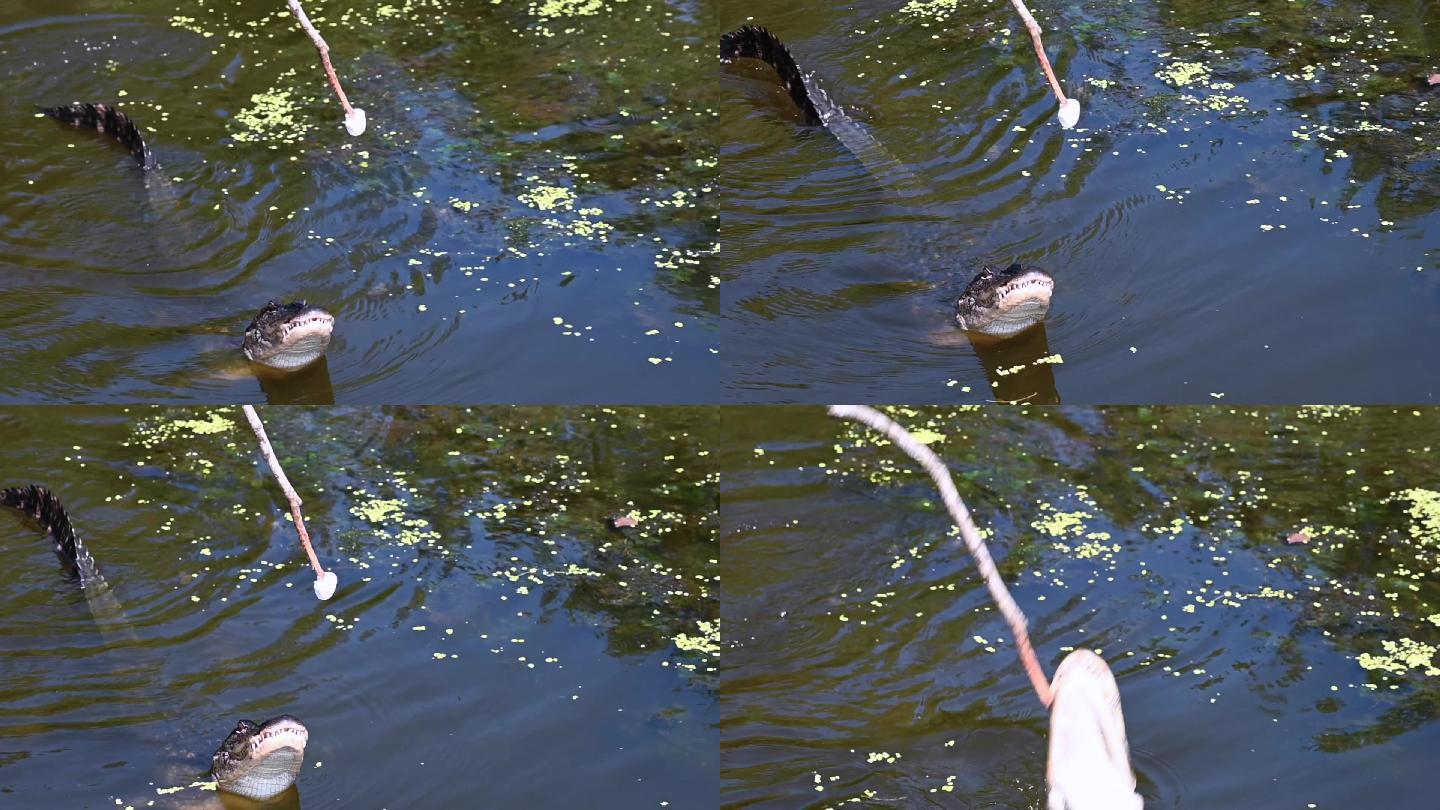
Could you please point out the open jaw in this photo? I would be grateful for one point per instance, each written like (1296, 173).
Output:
(261, 761)
(1005, 302)
(288, 336)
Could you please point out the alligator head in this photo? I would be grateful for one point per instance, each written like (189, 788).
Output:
(1004, 302)
(288, 336)
(261, 761)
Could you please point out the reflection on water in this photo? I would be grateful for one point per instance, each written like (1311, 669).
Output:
(525, 196)
(492, 641)
(1242, 213)
(866, 663)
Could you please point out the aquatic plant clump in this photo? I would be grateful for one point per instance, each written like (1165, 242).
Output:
(1196, 78)
(273, 117)
(558, 9)
(704, 646)
(1400, 657)
(929, 9)
(1424, 511)
(391, 517)
(550, 12)
(548, 198)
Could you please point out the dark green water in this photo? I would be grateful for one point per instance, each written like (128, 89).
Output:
(492, 643)
(530, 216)
(1248, 209)
(864, 663)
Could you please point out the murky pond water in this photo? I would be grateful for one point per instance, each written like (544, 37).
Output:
(1248, 209)
(493, 642)
(529, 218)
(864, 662)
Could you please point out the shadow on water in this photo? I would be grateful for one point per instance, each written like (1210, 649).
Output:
(1017, 368)
(1242, 212)
(865, 662)
(492, 641)
(535, 190)
(307, 386)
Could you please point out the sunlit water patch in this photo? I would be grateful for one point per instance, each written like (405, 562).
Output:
(492, 640)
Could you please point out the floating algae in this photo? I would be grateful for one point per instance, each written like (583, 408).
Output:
(1401, 657)
(273, 117)
(1196, 76)
(548, 198)
(929, 11)
(1424, 512)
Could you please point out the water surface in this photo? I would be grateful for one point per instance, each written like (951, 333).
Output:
(1248, 210)
(864, 663)
(492, 642)
(529, 217)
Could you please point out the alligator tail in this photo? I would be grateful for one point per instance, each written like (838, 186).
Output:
(110, 121)
(42, 505)
(754, 42)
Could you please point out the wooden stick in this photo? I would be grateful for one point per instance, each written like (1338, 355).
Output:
(968, 532)
(1069, 108)
(324, 53)
(1034, 29)
(269, 454)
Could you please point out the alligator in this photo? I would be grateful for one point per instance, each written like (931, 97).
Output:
(261, 761)
(282, 337)
(288, 337)
(110, 121)
(996, 303)
(257, 761)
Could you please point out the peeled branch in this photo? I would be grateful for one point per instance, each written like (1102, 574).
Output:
(1089, 763)
(354, 116)
(1069, 112)
(325, 581)
(940, 474)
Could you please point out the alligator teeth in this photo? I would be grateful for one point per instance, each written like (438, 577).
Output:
(314, 319)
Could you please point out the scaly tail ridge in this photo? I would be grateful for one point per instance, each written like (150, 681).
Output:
(110, 121)
(42, 505)
(754, 42)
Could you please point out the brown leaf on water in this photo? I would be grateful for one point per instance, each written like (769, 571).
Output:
(623, 522)
(1434, 79)
(1298, 538)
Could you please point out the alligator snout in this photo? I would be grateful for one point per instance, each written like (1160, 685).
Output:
(1004, 302)
(288, 337)
(261, 761)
